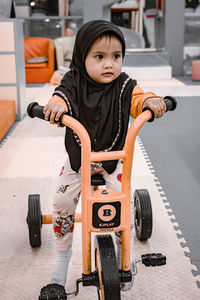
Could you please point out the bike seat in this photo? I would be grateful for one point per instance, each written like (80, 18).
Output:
(97, 179)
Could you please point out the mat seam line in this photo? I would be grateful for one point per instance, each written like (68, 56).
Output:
(170, 212)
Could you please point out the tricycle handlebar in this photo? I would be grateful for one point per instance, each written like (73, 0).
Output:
(36, 110)
(170, 103)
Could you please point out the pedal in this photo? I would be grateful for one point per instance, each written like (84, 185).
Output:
(153, 259)
(53, 291)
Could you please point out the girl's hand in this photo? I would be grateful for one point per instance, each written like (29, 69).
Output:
(157, 105)
(54, 110)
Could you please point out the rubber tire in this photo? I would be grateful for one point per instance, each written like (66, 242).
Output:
(34, 220)
(107, 267)
(143, 214)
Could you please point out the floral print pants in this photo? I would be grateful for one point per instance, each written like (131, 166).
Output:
(67, 197)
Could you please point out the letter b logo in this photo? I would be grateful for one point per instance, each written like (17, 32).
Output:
(106, 212)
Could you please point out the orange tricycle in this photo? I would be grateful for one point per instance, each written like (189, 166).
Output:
(105, 211)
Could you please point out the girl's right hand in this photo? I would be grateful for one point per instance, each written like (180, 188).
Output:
(54, 111)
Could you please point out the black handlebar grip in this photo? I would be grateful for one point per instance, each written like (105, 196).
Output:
(36, 110)
(170, 103)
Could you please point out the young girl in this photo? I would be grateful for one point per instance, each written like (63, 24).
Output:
(102, 98)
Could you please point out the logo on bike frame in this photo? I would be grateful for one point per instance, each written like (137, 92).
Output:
(106, 215)
(106, 212)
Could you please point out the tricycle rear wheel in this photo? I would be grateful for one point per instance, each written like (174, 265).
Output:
(34, 220)
(143, 214)
(106, 264)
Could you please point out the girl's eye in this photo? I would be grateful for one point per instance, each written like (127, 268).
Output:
(99, 56)
(116, 56)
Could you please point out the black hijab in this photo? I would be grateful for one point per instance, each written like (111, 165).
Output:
(103, 109)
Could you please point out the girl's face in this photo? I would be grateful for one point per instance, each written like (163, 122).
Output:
(104, 59)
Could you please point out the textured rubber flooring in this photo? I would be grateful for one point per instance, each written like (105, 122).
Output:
(30, 158)
(174, 150)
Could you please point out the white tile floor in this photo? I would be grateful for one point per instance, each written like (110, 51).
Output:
(30, 159)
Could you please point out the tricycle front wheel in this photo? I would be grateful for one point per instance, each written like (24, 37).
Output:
(106, 265)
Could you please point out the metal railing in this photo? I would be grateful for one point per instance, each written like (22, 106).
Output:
(50, 26)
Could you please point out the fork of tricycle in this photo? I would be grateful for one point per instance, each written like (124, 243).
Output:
(105, 211)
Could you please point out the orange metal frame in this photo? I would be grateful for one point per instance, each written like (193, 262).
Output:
(89, 198)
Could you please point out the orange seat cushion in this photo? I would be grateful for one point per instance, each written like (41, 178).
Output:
(36, 47)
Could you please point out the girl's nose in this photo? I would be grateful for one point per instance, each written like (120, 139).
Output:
(108, 64)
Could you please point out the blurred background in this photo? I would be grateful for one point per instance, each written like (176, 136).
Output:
(144, 22)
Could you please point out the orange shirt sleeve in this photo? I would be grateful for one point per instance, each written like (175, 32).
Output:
(137, 100)
(57, 99)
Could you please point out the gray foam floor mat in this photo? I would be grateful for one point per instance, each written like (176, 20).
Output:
(173, 148)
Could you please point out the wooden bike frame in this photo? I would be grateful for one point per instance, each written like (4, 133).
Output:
(108, 196)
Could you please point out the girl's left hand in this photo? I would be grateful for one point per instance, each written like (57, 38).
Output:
(157, 105)
(53, 111)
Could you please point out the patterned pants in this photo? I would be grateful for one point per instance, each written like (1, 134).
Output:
(67, 197)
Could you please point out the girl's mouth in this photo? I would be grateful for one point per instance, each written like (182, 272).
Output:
(107, 74)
